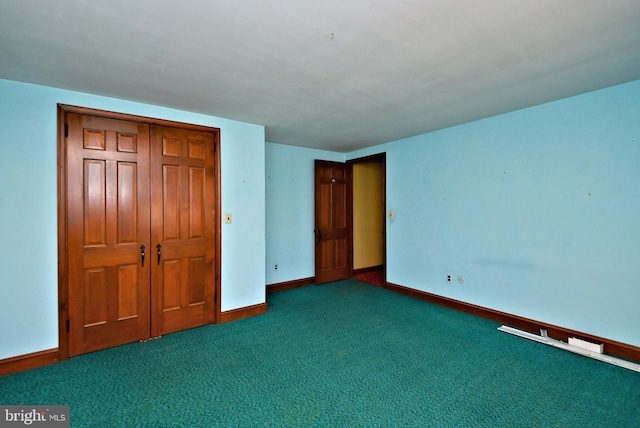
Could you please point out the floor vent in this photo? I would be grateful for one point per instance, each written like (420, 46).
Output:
(577, 346)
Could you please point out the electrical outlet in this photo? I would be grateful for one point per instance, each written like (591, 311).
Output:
(448, 278)
(275, 267)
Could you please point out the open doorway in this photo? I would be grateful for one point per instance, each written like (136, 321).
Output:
(369, 225)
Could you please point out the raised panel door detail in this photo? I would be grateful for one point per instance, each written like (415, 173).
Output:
(339, 199)
(171, 147)
(196, 202)
(95, 297)
(95, 215)
(326, 255)
(197, 149)
(325, 172)
(324, 216)
(172, 281)
(171, 201)
(127, 291)
(127, 202)
(94, 139)
(340, 253)
(127, 143)
(197, 281)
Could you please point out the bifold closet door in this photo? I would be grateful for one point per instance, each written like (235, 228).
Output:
(108, 202)
(183, 229)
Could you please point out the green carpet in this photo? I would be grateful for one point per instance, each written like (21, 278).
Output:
(344, 354)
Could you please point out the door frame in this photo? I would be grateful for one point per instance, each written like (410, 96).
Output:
(382, 158)
(63, 281)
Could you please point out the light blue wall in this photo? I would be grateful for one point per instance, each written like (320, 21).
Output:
(28, 216)
(290, 210)
(538, 210)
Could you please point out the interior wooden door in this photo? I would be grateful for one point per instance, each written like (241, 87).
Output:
(183, 228)
(333, 258)
(108, 222)
(140, 230)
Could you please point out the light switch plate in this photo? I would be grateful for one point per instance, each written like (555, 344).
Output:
(227, 218)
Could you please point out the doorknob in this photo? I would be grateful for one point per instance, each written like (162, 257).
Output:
(142, 253)
(159, 252)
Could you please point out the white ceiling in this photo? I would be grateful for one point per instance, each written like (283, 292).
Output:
(332, 74)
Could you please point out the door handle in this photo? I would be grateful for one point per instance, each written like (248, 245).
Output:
(159, 252)
(142, 253)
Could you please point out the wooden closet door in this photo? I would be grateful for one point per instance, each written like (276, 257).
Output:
(108, 221)
(183, 229)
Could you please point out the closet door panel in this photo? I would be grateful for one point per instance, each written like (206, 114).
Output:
(183, 276)
(108, 220)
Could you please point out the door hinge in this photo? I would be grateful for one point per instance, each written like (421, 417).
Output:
(66, 130)
(67, 326)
